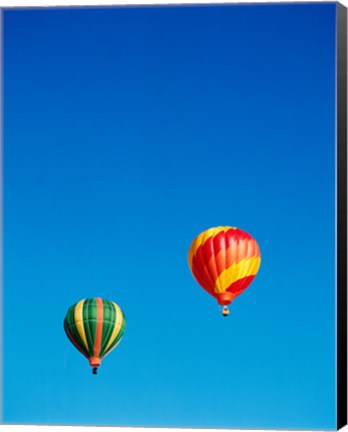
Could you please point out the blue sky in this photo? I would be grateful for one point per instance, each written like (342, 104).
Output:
(127, 131)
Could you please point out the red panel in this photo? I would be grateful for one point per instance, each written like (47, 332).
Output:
(240, 285)
(99, 331)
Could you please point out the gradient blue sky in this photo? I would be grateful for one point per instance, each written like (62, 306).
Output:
(127, 131)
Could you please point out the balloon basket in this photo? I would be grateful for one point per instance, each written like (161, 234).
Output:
(225, 311)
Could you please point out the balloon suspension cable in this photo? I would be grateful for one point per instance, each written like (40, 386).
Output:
(94, 371)
(225, 311)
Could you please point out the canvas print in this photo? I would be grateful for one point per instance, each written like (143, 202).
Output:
(172, 182)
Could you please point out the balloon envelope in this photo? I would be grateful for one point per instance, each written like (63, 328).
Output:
(95, 327)
(224, 260)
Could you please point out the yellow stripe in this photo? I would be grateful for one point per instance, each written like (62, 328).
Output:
(244, 268)
(78, 316)
(202, 238)
(118, 323)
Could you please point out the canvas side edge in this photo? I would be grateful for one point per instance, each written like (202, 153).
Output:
(1, 223)
(341, 215)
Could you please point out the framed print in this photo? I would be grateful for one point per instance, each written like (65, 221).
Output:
(174, 216)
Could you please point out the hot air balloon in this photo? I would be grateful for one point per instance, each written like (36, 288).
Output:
(224, 260)
(95, 327)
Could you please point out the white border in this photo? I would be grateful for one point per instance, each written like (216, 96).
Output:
(53, 3)
(43, 428)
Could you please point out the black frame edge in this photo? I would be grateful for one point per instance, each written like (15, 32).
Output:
(341, 215)
(1, 223)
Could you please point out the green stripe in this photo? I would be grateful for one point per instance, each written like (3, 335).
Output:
(109, 324)
(119, 335)
(70, 320)
(72, 338)
(90, 322)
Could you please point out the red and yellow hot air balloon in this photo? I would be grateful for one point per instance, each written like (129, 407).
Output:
(224, 260)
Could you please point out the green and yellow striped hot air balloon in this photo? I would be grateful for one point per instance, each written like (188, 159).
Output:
(95, 327)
